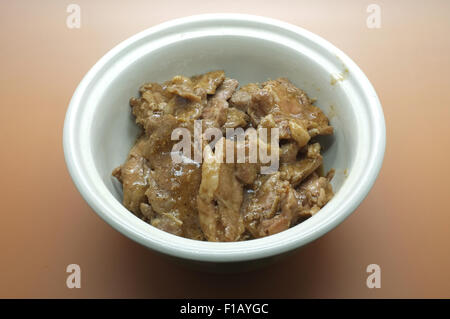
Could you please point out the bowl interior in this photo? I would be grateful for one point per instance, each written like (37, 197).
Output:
(244, 58)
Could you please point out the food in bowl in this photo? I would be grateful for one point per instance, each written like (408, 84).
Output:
(210, 198)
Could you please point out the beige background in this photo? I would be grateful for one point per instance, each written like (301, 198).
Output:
(403, 225)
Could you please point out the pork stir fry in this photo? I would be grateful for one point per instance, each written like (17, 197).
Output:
(216, 200)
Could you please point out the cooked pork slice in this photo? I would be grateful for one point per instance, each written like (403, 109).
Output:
(262, 104)
(246, 170)
(255, 100)
(288, 127)
(181, 96)
(188, 111)
(297, 171)
(164, 221)
(288, 152)
(284, 219)
(215, 113)
(172, 207)
(235, 118)
(247, 158)
(246, 173)
(159, 141)
(209, 81)
(133, 175)
(197, 87)
(270, 208)
(156, 102)
(287, 97)
(312, 195)
(173, 203)
(281, 96)
(185, 87)
(226, 89)
(153, 105)
(219, 200)
(147, 212)
(295, 101)
(169, 223)
(242, 98)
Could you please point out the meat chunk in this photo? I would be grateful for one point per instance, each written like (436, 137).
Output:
(147, 211)
(210, 81)
(156, 102)
(298, 171)
(169, 223)
(215, 113)
(197, 87)
(248, 159)
(256, 101)
(162, 200)
(181, 96)
(174, 209)
(133, 175)
(219, 200)
(288, 152)
(284, 219)
(188, 111)
(271, 207)
(235, 118)
(312, 195)
(163, 221)
(158, 142)
(295, 101)
(243, 98)
(281, 96)
(288, 98)
(226, 89)
(173, 203)
(289, 127)
(247, 172)
(262, 104)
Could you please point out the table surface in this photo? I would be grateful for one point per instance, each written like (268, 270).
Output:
(403, 224)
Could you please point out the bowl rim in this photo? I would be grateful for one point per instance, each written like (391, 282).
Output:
(235, 251)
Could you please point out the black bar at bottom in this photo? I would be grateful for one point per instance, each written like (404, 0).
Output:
(226, 308)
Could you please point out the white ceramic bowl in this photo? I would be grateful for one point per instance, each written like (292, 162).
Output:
(99, 128)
